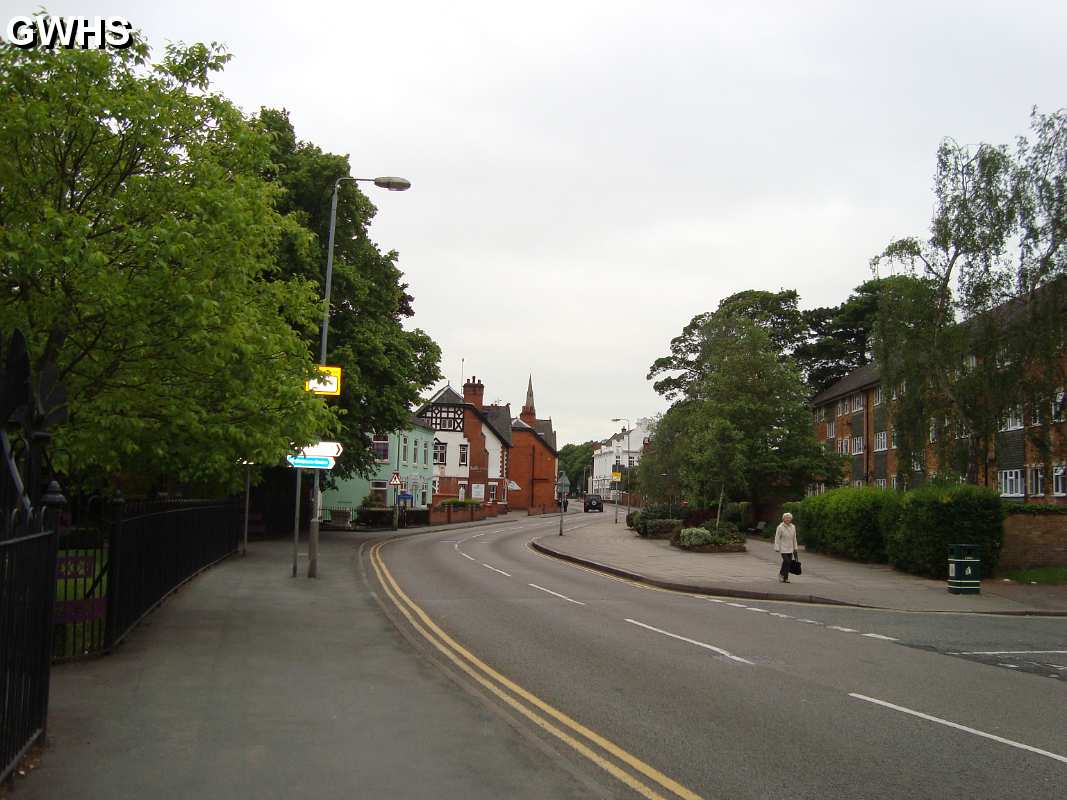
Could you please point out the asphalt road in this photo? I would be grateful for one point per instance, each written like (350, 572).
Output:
(662, 694)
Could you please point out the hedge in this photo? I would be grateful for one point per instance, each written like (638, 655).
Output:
(1035, 508)
(725, 527)
(928, 519)
(631, 519)
(455, 501)
(663, 528)
(847, 522)
(697, 537)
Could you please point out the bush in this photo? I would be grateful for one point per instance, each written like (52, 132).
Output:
(725, 526)
(1034, 508)
(648, 515)
(849, 522)
(663, 528)
(455, 501)
(698, 537)
(931, 518)
(631, 519)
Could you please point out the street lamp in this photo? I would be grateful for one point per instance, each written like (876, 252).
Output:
(627, 429)
(393, 184)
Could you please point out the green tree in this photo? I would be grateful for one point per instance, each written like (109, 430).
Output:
(839, 338)
(137, 251)
(385, 366)
(576, 461)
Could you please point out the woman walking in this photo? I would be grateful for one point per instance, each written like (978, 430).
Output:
(785, 542)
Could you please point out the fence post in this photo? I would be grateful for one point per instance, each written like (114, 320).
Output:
(114, 539)
(52, 501)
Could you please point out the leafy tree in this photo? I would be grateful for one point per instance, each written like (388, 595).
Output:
(385, 366)
(839, 339)
(576, 461)
(137, 248)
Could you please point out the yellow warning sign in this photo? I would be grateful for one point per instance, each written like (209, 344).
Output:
(328, 382)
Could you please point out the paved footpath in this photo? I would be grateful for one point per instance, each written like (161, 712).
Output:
(248, 683)
(754, 575)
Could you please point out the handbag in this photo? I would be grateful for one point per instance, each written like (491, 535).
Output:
(794, 565)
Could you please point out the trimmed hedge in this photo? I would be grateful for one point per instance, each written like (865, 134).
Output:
(631, 519)
(1035, 508)
(725, 527)
(663, 528)
(847, 522)
(928, 519)
(455, 501)
(700, 537)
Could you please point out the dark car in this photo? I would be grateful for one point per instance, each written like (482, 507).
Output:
(593, 503)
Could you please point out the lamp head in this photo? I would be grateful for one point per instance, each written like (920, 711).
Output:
(393, 184)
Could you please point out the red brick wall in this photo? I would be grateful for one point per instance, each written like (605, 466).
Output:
(1034, 540)
(533, 467)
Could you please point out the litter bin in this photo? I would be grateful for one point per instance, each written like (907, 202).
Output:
(964, 569)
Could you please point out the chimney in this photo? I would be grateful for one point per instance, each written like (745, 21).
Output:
(474, 392)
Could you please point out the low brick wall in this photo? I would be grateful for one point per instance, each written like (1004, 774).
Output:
(439, 516)
(1034, 540)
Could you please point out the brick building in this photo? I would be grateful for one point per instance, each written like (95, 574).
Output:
(533, 464)
(471, 444)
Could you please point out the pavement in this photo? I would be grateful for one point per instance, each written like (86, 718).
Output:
(248, 683)
(614, 548)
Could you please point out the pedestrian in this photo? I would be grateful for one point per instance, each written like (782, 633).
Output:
(785, 542)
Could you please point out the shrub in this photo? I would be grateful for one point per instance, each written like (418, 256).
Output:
(455, 501)
(1034, 508)
(931, 518)
(847, 522)
(697, 537)
(725, 526)
(663, 528)
(648, 515)
(631, 519)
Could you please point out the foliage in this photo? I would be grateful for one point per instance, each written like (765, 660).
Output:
(724, 525)
(846, 522)
(1054, 576)
(455, 502)
(662, 528)
(839, 339)
(1036, 509)
(698, 537)
(632, 518)
(930, 518)
(137, 251)
(576, 461)
(385, 365)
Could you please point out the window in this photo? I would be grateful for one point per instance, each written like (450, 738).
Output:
(463, 448)
(1035, 480)
(970, 362)
(492, 492)
(881, 441)
(1035, 414)
(1059, 403)
(630, 461)
(894, 439)
(893, 482)
(1013, 419)
(933, 431)
(404, 451)
(1011, 482)
(380, 445)
(879, 482)
(857, 484)
(857, 445)
(1059, 480)
(831, 429)
(440, 453)
(842, 445)
(918, 462)
(878, 395)
(423, 497)
(857, 401)
(962, 431)
(842, 406)
(426, 452)
(379, 490)
(462, 490)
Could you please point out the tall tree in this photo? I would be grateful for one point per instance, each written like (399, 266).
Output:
(385, 365)
(576, 461)
(137, 248)
(839, 339)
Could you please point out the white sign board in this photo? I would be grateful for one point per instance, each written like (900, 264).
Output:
(325, 449)
(478, 491)
(395, 480)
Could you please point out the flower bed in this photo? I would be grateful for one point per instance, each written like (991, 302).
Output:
(725, 539)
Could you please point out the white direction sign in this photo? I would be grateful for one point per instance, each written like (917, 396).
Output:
(395, 480)
(322, 449)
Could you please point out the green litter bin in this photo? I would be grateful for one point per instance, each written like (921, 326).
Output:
(964, 569)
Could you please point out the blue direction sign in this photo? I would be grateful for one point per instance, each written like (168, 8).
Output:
(406, 496)
(310, 462)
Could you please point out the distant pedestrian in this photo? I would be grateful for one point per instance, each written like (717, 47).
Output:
(564, 504)
(785, 542)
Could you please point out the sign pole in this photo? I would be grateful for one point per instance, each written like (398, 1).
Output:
(248, 490)
(296, 521)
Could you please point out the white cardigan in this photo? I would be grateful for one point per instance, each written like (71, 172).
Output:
(785, 539)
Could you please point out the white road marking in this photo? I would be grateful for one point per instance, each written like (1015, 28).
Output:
(713, 600)
(780, 616)
(494, 569)
(1006, 652)
(737, 605)
(1010, 666)
(714, 649)
(557, 594)
(957, 726)
(468, 557)
(841, 628)
(879, 636)
(759, 610)
(810, 621)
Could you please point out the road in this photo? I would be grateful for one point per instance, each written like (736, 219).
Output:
(661, 694)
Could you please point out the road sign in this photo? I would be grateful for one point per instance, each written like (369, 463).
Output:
(328, 382)
(310, 462)
(616, 476)
(395, 480)
(563, 484)
(325, 449)
(405, 496)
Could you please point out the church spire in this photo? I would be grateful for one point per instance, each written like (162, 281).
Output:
(529, 395)
(529, 414)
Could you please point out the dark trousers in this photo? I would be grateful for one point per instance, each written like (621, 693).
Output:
(787, 559)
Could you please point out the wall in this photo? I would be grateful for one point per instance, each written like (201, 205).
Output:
(1034, 540)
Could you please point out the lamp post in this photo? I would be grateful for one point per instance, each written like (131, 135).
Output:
(393, 184)
(627, 429)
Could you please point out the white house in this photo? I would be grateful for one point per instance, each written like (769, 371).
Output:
(616, 451)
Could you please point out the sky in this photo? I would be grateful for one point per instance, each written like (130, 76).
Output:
(588, 176)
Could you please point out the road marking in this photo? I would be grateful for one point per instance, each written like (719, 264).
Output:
(1006, 652)
(737, 605)
(957, 726)
(1010, 666)
(494, 569)
(557, 594)
(456, 652)
(779, 615)
(810, 621)
(714, 600)
(879, 636)
(471, 558)
(758, 610)
(840, 628)
(711, 647)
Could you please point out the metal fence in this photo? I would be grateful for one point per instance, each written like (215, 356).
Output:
(122, 561)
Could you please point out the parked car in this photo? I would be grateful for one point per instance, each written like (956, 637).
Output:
(593, 502)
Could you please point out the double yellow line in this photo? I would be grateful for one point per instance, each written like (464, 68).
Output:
(546, 717)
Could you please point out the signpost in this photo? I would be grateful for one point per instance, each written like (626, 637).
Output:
(328, 383)
(616, 476)
(563, 486)
(395, 480)
(311, 462)
(323, 449)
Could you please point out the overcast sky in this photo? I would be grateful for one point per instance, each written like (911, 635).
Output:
(587, 176)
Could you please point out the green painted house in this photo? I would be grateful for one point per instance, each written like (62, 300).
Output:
(409, 452)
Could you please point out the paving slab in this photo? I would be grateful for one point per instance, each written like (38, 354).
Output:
(754, 574)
